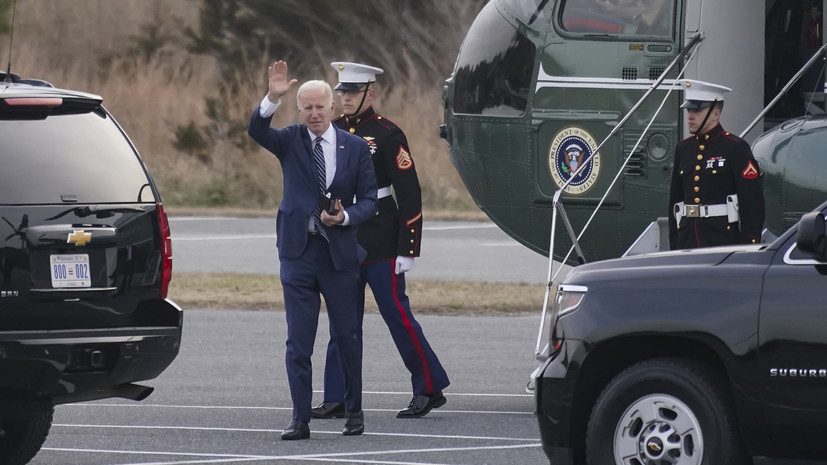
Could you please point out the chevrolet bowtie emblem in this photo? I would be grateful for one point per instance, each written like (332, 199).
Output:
(79, 238)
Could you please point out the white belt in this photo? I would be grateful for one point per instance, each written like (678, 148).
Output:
(728, 209)
(380, 194)
(705, 211)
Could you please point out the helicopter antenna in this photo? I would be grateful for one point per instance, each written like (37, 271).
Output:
(11, 40)
(818, 54)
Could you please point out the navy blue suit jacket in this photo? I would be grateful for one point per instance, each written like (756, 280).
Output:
(354, 177)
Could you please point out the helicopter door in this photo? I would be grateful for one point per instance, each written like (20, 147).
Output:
(794, 32)
(601, 57)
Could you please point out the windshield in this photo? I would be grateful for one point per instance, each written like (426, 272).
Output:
(494, 67)
(69, 158)
(626, 19)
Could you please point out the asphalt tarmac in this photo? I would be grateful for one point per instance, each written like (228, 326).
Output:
(451, 250)
(225, 400)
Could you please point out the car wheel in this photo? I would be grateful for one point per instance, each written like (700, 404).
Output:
(21, 438)
(664, 412)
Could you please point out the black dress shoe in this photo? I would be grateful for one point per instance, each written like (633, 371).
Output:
(328, 410)
(355, 424)
(422, 404)
(296, 430)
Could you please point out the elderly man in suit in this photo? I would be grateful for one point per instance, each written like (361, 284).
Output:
(329, 188)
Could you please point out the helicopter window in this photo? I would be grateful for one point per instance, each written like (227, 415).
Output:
(623, 18)
(494, 68)
(528, 11)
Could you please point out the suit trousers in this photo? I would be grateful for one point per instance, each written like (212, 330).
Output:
(304, 279)
(427, 373)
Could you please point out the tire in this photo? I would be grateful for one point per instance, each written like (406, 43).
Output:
(664, 412)
(21, 438)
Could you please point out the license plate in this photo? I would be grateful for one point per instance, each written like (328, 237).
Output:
(70, 271)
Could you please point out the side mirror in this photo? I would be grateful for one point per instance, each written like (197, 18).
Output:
(811, 236)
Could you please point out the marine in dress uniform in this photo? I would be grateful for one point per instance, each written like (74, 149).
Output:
(716, 195)
(392, 240)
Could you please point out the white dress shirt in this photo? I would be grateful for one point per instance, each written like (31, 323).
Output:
(266, 110)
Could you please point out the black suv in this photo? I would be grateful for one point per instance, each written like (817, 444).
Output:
(85, 262)
(692, 357)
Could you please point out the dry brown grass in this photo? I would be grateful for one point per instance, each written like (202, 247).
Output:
(89, 45)
(264, 292)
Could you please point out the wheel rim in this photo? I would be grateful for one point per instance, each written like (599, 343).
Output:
(658, 430)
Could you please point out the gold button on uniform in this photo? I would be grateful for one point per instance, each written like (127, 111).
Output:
(412, 231)
(700, 157)
(697, 188)
(697, 200)
(697, 167)
(697, 178)
(714, 171)
(352, 130)
(702, 146)
(411, 252)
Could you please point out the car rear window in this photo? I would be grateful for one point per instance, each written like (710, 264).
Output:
(77, 157)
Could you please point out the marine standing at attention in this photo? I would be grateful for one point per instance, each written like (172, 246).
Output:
(716, 196)
(392, 239)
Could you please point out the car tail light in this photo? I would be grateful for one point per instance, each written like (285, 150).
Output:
(166, 261)
(33, 101)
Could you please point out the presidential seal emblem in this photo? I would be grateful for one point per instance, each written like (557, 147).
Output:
(569, 150)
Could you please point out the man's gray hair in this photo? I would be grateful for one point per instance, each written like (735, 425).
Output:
(314, 84)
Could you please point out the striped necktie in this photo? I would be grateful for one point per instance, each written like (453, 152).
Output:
(318, 158)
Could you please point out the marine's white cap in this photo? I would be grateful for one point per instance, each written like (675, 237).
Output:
(700, 94)
(352, 76)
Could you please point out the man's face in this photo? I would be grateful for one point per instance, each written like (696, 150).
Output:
(695, 116)
(315, 111)
(350, 100)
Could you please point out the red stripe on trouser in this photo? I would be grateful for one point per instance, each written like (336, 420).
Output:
(428, 385)
(697, 236)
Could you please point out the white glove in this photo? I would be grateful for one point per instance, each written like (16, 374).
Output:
(403, 264)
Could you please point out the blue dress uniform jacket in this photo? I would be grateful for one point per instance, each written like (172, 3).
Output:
(708, 168)
(397, 229)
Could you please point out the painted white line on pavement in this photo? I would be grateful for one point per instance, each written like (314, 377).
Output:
(389, 393)
(460, 226)
(271, 430)
(234, 237)
(224, 238)
(230, 407)
(334, 457)
(427, 226)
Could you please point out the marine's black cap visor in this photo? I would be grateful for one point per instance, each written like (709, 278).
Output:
(696, 104)
(349, 86)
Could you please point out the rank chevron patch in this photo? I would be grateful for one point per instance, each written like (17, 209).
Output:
(403, 159)
(750, 172)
